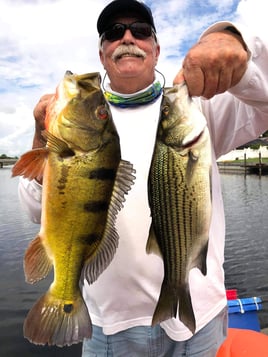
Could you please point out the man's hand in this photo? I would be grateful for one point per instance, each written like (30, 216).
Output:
(215, 64)
(39, 115)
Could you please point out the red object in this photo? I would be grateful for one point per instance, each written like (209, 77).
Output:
(244, 343)
(231, 294)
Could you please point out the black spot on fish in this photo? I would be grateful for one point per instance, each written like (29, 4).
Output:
(63, 204)
(68, 308)
(102, 174)
(96, 206)
(61, 185)
(61, 189)
(91, 238)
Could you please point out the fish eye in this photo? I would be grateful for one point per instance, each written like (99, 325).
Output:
(102, 113)
(165, 110)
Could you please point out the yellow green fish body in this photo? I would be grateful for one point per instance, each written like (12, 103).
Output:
(84, 183)
(179, 189)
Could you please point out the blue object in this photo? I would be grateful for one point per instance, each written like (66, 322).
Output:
(242, 313)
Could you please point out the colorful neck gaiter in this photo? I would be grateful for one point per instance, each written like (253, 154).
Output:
(144, 97)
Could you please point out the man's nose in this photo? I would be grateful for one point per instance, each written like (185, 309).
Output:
(128, 37)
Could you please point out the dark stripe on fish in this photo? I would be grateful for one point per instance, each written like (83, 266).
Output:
(90, 239)
(167, 217)
(174, 241)
(176, 204)
(96, 206)
(63, 178)
(102, 174)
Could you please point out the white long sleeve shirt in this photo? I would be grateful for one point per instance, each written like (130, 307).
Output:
(126, 293)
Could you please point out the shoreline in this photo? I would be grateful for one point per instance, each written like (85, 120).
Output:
(243, 168)
(228, 167)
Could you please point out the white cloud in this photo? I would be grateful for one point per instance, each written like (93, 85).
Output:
(222, 5)
(14, 133)
(40, 39)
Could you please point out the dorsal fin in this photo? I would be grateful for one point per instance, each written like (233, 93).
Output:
(104, 254)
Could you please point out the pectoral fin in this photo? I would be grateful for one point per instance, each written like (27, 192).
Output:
(31, 164)
(57, 145)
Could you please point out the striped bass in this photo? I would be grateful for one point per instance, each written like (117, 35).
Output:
(84, 184)
(179, 189)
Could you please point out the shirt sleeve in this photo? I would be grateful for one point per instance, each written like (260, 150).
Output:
(30, 196)
(241, 114)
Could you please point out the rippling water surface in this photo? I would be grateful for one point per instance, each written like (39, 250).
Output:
(246, 249)
(16, 296)
(246, 265)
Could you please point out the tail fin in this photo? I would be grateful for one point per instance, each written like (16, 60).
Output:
(55, 322)
(168, 303)
(186, 313)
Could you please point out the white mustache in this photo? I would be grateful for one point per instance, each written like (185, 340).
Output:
(123, 50)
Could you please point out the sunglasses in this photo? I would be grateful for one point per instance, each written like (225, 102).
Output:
(139, 30)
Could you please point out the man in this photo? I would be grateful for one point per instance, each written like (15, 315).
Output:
(225, 60)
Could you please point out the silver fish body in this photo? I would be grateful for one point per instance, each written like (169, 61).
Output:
(179, 189)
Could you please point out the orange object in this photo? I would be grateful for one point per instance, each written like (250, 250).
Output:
(244, 343)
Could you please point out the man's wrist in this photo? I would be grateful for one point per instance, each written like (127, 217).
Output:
(238, 35)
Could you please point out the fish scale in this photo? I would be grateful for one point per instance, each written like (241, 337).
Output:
(179, 193)
(172, 207)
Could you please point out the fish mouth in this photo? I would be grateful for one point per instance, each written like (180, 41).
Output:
(192, 142)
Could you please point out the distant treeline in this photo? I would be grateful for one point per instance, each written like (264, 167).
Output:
(4, 156)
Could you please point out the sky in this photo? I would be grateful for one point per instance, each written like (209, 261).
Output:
(41, 39)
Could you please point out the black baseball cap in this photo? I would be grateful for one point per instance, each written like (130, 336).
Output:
(121, 7)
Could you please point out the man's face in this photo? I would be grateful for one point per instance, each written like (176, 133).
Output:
(129, 72)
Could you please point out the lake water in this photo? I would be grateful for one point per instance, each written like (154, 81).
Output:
(246, 248)
(16, 296)
(246, 257)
